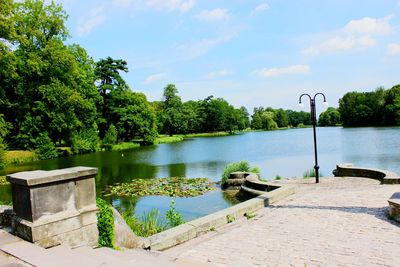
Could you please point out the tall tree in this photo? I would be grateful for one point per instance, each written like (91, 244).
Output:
(108, 79)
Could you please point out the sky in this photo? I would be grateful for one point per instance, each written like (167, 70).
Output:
(250, 52)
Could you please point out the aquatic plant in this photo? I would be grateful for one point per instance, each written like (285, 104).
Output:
(172, 186)
(174, 218)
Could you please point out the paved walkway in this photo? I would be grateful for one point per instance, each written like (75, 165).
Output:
(339, 222)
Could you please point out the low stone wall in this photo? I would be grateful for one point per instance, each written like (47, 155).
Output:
(192, 229)
(347, 169)
(55, 207)
(253, 186)
(394, 206)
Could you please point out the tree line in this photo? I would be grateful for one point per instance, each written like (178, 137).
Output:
(53, 93)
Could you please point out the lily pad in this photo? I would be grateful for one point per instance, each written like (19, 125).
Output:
(171, 186)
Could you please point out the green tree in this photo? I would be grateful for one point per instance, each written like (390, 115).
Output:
(281, 118)
(45, 147)
(111, 136)
(48, 86)
(173, 118)
(132, 115)
(330, 117)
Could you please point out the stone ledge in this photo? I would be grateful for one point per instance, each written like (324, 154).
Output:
(386, 177)
(39, 177)
(394, 206)
(192, 229)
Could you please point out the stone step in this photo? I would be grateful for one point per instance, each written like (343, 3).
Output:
(138, 257)
(104, 258)
(72, 258)
(33, 254)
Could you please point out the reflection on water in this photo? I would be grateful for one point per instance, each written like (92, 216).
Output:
(286, 153)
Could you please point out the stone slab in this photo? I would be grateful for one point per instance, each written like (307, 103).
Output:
(38, 177)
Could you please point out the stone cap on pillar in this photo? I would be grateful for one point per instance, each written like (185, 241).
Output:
(39, 177)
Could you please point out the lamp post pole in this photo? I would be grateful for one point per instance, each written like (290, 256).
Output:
(314, 124)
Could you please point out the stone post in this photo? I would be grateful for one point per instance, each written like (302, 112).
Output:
(55, 207)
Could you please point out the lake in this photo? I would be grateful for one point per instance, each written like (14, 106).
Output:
(287, 153)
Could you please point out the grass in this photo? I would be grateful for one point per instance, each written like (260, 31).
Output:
(169, 139)
(149, 224)
(125, 145)
(206, 134)
(14, 157)
(230, 218)
(241, 166)
(310, 173)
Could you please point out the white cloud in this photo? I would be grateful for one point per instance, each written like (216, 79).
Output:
(273, 72)
(260, 8)
(219, 73)
(95, 18)
(393, 49)
(369, 26)
(217, 14)
(155, 78)
(356, 34)
(201, 47)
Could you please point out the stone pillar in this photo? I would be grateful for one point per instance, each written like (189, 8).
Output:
(55, 207)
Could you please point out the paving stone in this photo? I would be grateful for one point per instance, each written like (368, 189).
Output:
(339, 222)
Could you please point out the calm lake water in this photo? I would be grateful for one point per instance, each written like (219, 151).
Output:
(287, 153)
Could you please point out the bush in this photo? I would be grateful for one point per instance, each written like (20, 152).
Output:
(241, 166)
(174, 218)
(85, 141)
(3, 150)
(110, 138)
(105, 224)
(45, 148)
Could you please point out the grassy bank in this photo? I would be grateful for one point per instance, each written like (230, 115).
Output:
(15, 157)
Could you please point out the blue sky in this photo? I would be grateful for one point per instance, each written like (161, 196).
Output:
(252, 53)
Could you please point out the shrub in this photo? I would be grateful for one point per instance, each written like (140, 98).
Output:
(278, 177)
(110, 138)
(3, 150)
(174, 218)
(241, 166)
(85, 141)
(45, 148)
(105, 224)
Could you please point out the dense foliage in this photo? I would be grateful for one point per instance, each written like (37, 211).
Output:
(208, 115)
(378, 108)
(105, 224)
(270, 119)
(330, 117)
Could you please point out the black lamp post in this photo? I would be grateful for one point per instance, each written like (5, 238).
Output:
(314, 123)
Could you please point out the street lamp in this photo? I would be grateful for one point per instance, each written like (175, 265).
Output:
(314, 123)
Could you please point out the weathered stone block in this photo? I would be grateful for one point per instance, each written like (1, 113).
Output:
(50, 204)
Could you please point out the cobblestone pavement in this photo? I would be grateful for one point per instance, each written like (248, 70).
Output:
(339, 222)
